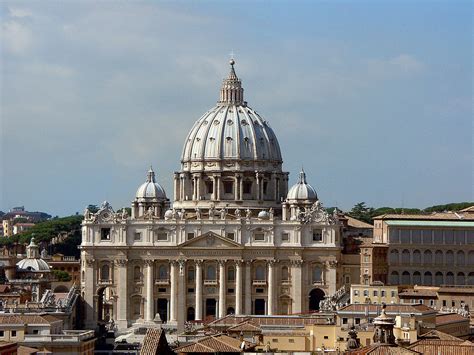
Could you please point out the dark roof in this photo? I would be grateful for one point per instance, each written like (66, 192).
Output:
(155, 343)
(390, 308)
(216, 344)
(444, 347)
(447, 318)
(383, 349)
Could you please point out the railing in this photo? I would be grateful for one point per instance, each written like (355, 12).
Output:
(67, 336)
(162, 282)
(210, 282)
(259, 282)
(105, 282)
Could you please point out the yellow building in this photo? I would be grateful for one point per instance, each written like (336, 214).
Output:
(377, 293)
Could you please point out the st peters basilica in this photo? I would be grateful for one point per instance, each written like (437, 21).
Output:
(233, 240)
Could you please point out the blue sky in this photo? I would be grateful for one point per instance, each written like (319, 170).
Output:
(373, 98)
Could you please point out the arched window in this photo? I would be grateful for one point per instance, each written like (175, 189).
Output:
(470, 278)
(438, 257)
(105, 272)
(470, 258)
(428, 278)
(137, 273)
(191, 274)
(405, 256)
(284, 273)
(449, 278)
(416, 257)
(260, 273)
(230, 310)
(417, 278)
(460, 258)
(394, 257)
(461, 278)
(427, 257)
(406, 278)
(231, 274)
(163, 272)
(394, 278)
(317, 274)
(439, 279)
(450, 257)
(211, 272)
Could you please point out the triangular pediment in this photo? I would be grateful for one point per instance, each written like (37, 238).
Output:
(211, 240)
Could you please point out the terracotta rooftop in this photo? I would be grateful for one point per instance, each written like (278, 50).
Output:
(27, 319)
(383, 349)
(231, 320)
(418, 293)
(468, 209)
(4, 288)
(216, 344)
(352, 222)
(155, 343)
(26, 350)
(245, 327)
(450, 318)
(444, 347)
(436, 334)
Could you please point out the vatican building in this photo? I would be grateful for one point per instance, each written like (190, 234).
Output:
(234, 239)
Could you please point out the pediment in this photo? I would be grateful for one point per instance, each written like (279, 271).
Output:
(211, 240)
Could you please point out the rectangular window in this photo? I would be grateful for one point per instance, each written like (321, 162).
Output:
(259, 290)
(137, 236)
(265, 187)
(190, 290)
(366, 293)
(444, 303)
(317, 235)
(105, 234)
(259, 236)
(393, 293)
(356, 292)
(2, 333)
(230, 290)
(228, 185)
(190, 236)
(357, 320)
(291, 340)
(285, 237)
(376, 293)
(274, 340)
(366, 259)
(247, 187)
(344, 320)
(162, 289)
(209, 187)
(453, 303)
(326, 337)
(162, 236)
(231, 236)
(35, 331)
(13, 333)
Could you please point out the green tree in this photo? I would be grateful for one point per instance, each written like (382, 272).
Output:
(61, 275)
(93, 208)
(361, 212)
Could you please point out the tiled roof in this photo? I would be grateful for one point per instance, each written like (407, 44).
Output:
(245, 327)
(436, 334)
(155, 343)
(4, 288)
(217, 343)
(468, 209)
(444, 347)
(27, 319)
(449, 318)
(352, 222)
(383, 349)
(26, 350)
(418, 293)
(232, 320)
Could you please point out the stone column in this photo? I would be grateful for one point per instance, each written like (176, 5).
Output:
(248, 287)
(238, 287)
(149, 285)
(198, 187)
(218, 179)
(331, 279)
(296, 285)
(236, 187)
(198, 278)
(241, 188)
(90, 284)
(271, 288)
(173, 292)
(194, 187)
(176, 186)
(181, 310)
(122, 300)
(257, 180)
(214, 187)
(222, 289)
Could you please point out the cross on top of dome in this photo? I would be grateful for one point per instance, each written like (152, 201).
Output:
(232, 91)
(150, 175)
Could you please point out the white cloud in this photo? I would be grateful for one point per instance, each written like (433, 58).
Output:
(19, 13)
(16, 37)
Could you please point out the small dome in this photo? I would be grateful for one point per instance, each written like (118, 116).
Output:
(302, 190)
(33, 262)
(150, 189)
(263, 215)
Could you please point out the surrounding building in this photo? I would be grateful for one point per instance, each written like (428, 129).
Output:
(236, 239)
(444, 298)
(376, 293)
(435, 249)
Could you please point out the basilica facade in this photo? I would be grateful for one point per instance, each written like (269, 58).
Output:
(234, 239)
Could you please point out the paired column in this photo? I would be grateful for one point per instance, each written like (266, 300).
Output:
(149, 301)
(90, 283)
(198, 306)
(271, 285)
(222, 289)
(296, 285)
(122, 287)
(173, 291)
(181, 296)
(238, 287)
(248, 287)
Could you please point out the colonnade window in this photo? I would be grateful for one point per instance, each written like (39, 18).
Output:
(406, 278)
(448, 237)
(405, 256)
(394, 256)
(416, 256)
(317, 274)
(163, 272)
(211, 272)
(191, 274)
(231, 273)
(284, 273)
(450, 278)
(439, 280)
(427, 236)
(417, 278)
(470, 258)
(259, 273)
(427, 278)
(438, 257)
(416, 236)
(137, 273)
(105, 272)
(460, 258)
(394, 236)
(459, 237)
(394, 278)
(405, 236)
(449, 257)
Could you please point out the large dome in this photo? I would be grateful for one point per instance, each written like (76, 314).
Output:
(231, 131)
